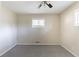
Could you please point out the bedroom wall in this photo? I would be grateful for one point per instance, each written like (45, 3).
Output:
(70, 32)
(7, 29)
(47, 35)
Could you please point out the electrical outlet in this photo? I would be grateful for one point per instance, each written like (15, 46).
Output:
(37, 42)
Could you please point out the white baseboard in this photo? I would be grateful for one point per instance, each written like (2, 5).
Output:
(7, 50)
(38, 44)
(70, 51)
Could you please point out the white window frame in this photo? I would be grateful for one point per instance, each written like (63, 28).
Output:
(36, 23)
(76, 22)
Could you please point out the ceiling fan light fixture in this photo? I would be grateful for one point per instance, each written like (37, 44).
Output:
(45, 3)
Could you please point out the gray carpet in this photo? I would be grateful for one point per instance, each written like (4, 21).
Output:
(38, 51)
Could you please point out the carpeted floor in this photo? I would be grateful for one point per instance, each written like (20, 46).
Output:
(38, 51)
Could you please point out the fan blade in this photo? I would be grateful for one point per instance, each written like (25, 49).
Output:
(39, 5)
(50, 6)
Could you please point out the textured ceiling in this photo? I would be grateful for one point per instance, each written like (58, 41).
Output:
(31, 7)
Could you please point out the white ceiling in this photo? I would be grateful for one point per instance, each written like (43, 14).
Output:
(32, 6)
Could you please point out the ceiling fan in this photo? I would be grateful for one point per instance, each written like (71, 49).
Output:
(43, 3)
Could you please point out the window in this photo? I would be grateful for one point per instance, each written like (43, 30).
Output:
(77, 18)
(38, 23)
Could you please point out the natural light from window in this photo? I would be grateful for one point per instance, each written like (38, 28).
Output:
(38, 23)
(77, 18)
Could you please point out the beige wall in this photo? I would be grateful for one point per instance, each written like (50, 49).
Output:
(69, 32)
(7, 29)
(48, 35)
